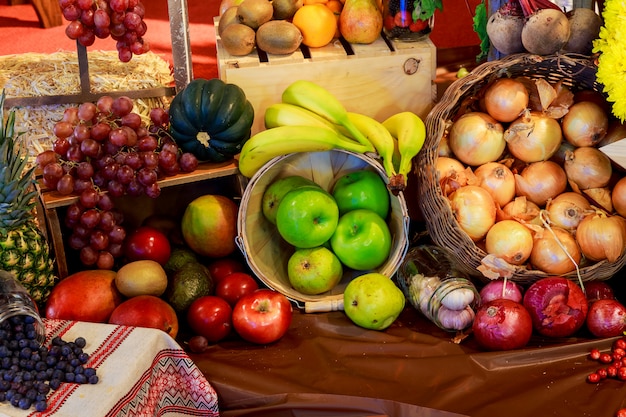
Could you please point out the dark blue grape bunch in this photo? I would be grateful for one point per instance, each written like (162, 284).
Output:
(29, 372)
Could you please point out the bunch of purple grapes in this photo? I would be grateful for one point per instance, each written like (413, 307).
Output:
(104, 150)
(123, 20)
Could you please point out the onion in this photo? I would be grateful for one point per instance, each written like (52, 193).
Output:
(618, 197)
(559, 155)
(601, 237)
(587, 167)
(474, 210)
(585, 124)
(541, 181)
(533, 137)
(502, 325)
(548, 254)
(558, 307)
(598, 290)
(606, 318)
(615, 132)
(476, 138)
(509, 240)
(600, 197)
(498, 179)
(506, 99)
(501, 289)
(451, 174)
(522, 210)
(567, 210)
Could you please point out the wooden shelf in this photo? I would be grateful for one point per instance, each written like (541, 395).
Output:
(52, 199)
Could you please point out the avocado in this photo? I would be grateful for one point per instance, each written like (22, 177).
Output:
(178, 258)
(189, 283)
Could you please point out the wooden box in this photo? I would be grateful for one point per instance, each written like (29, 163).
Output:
(377, 79)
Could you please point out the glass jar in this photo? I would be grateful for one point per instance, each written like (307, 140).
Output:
(400, 24)
(17, 307)
(437, 289)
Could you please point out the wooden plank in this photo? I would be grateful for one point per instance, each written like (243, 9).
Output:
(53, 199)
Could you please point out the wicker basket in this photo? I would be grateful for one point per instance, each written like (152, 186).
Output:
(267, 253)
(577, 73)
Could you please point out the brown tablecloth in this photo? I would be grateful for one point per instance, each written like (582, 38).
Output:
(326, 365)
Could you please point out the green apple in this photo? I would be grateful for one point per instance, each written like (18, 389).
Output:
(363, 189)
(314, 271)
(307, 216)
(373, 301)
(274, 193)
(362, 240)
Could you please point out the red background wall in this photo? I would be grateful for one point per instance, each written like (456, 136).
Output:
(454, 27)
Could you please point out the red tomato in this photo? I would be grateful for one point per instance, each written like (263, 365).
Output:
(147, 243)
(223, 267)
(210, 316)
(234, 286)
(263, 316)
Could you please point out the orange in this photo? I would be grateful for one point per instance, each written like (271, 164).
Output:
(317, 23)
(314, 2)
(335, 6)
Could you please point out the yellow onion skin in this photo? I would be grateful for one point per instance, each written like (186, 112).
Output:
(474, 210)
(506, 99)
(451, 174)
(601, 237)
(618, 197)
(587, 167)
(567, 210)
(476, 138)
(498, 179)
(541, 181)
(585, 124)
(509, 240)
(549, 257)
(522, 210)
(533, 137)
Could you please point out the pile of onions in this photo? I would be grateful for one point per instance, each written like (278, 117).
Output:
(530, 185)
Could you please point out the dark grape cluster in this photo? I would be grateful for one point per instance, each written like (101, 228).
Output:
(104, 150)
(123, 20)
(28, 371)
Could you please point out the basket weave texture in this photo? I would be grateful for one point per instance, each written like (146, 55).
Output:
(575, 71)
(267, 253)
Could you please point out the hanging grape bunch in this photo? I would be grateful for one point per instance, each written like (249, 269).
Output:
(120, 19)
(101, 151)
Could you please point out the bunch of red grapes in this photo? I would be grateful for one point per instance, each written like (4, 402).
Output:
(105, 150)
(120, 19)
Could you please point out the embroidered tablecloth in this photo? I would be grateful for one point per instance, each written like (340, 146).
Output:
(142, 372)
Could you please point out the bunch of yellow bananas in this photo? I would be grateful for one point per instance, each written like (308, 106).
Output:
(311, 119)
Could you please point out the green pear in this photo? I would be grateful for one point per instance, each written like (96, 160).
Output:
(360, 21)
(373, 301)
(275, 192)
(314, 271)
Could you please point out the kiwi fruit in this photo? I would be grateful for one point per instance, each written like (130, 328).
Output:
(278, 37)
(238, 39)
(285, 9)
(254, 13)
(227, 18)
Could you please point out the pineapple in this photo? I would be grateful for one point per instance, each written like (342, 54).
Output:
(24, 251)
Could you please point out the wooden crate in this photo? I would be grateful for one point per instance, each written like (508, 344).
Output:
(377, 79)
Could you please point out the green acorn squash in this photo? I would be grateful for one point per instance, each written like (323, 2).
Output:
(211, 119)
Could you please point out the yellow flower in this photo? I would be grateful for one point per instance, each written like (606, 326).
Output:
(611, 46)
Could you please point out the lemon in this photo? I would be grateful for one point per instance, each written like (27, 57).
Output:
(144, 277)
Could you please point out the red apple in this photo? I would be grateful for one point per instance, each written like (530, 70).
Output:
(147, 243)
(234, 286)
(84, 296)
(211, 317)
(220, 268)
(263, 316)
(146, 311)
(557, 306)
(209, 225)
